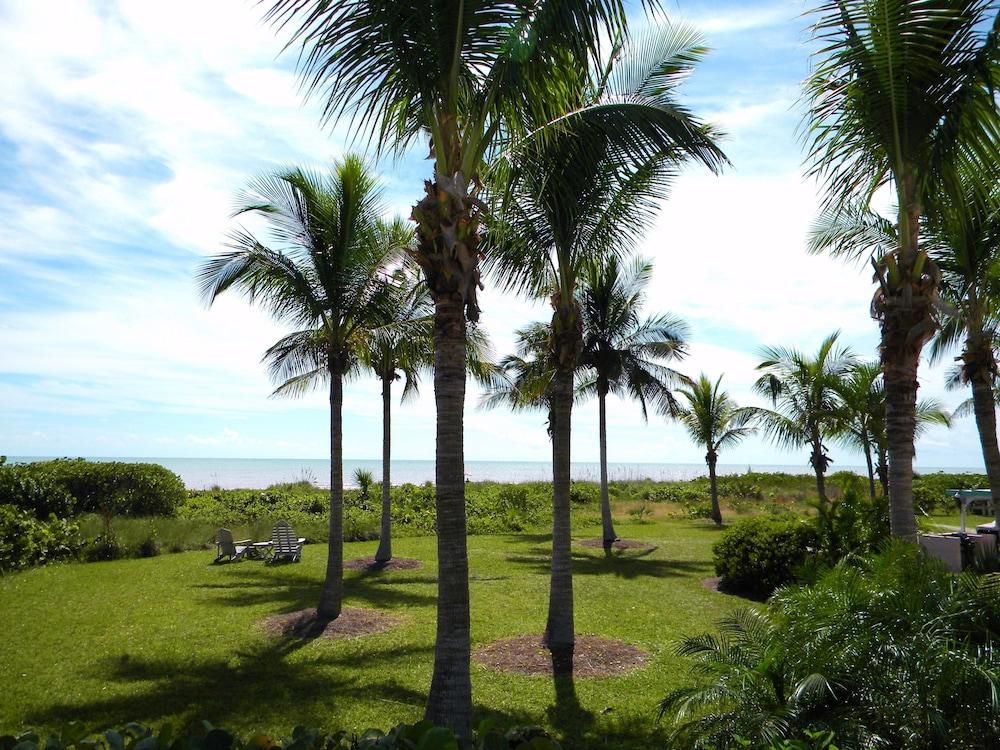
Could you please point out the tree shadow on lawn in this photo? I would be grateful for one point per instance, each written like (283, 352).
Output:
(629, 565)
(256, 681)
(296, 590)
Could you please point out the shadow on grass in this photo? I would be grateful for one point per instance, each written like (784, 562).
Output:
(627, 564)
(293, 590)
(255, 682)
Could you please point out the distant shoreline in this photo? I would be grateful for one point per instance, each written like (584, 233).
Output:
(260, 473)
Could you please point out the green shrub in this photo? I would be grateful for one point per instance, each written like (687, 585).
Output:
(420, 736)
(128, 489)
(38, 493)
(929, 489)
(584, 493)
(755, 556)
(26, 541)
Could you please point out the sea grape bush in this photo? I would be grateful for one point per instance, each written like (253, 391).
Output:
(26, 541)
(420, 736)
(127, 489)
(35, 492)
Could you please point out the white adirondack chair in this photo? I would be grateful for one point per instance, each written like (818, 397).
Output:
(225, 547)
(284, 544)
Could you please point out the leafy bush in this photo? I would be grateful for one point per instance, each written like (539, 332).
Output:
(37, 493)
(584, 493)
(852, 524)
(420, 736)
(893, 652)
(929, 489)
(756, 555)
(26, 541)
(128, 489)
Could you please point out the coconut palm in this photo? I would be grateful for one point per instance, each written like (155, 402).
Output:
(398, 349)
(324, 273)
(713, 420)
(803, 392)
(625, 353)
(521, 380)
(969, 256)
(578, 195)
(470, 77)
(901, 94)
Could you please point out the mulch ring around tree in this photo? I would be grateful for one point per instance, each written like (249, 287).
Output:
(593, 656)
(353, 622)
(372, 565)
(618, 544)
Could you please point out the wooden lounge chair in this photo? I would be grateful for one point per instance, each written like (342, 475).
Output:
(225, 547)
(284, 544)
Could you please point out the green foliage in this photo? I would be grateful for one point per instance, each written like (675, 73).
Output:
(364, 479)
(584, 493)
(929, 489)
(420, 736)
(30, 490)
(889, 652)
(641, 511)
(26, 541)
(757, 555)
(128, 489)
(852, 523)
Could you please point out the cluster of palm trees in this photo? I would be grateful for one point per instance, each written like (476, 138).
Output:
(554, 132)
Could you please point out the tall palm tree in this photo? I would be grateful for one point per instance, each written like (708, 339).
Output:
(580, 194)
(399, 348)
(624, 352)
(860, 414)
(714, 421)
(901, 94)
(803, 391)
(323, 273)
(469, 77)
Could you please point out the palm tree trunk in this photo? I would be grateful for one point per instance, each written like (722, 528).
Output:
(559, 631)
(384, 553)
(818, 461)
(866, 444)
(900, 374)
(606, 521)
(882, 469)
(449, 702)
(986, 423)
(332, 596)
(711, 458)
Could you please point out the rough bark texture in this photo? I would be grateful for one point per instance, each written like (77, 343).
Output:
(384, 553)
(900, 421)
(711, 459)
(332, 596)
(818, 460)
(449, 702)
(559, 630)
(609, 534)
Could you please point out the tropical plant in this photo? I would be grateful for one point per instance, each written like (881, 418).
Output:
(888, 652)
(902, 94)
(860, 419)
(325, 274)
(713, 420)
(625, 353)
(472, 78)
(803, 390)
(584, 193)
(966, 234)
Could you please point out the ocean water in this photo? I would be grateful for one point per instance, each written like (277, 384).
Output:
(256, 473)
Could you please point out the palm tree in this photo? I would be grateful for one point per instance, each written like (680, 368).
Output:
(625, 352)
(577, 195)
(714, 421)
(324, 274)
(860, 414)
(399, 348)
(803, 391)
(901, 94)
(470, 77)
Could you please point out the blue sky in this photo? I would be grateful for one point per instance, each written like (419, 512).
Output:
(130, 125)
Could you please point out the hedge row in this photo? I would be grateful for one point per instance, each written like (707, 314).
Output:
(66, 487)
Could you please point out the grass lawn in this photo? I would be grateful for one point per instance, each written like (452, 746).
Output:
(175, 638)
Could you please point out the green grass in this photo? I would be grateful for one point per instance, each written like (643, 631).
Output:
(175, 638)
